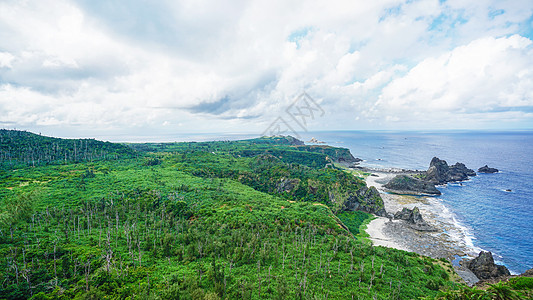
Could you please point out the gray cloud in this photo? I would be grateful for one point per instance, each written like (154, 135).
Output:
(54, 77)
(178, 27)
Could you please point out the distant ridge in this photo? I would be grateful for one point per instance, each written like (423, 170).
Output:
(22, 148)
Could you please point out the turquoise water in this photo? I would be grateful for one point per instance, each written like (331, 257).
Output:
(495, 220)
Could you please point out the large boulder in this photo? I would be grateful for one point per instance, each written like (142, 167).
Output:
(484, 267)
(487, 169)
(414, 219)
(440, 173)
(405, 184)
(437, 172)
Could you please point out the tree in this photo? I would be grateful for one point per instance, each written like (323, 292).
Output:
(17, 209)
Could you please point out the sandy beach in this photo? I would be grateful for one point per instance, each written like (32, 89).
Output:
(448, 241)
(376, 230)
(397, 234)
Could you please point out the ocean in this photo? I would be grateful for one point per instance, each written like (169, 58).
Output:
(491, 218)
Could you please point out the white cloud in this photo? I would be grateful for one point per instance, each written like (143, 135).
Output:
(6, 59)
(487, 75)
(226, 66)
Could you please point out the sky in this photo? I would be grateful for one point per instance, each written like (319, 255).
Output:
(148, 70)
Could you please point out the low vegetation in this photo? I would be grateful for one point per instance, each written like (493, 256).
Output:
(223, 220)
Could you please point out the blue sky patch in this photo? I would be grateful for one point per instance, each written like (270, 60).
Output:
(495, 12)
(298, 35)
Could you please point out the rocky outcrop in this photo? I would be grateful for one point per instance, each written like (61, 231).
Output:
(487, 169)
(528, 273)
(293, 141)
(484, 267)
(315, 141)
(287, 185)
(460, 172)
(414, 219)
(367, 200)
(440, 173)
(355, 163)
(405, 184)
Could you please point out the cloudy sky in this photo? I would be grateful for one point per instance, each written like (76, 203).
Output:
(118, 69)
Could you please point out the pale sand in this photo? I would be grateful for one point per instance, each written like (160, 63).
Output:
(399, 235)
(377, 236)
(392, 202)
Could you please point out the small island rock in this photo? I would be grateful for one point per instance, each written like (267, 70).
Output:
(440, 173)
(487, 169)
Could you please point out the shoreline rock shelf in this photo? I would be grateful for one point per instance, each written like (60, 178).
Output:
(404, 184)
(409, 231)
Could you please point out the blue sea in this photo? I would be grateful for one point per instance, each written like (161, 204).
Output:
(493, 219)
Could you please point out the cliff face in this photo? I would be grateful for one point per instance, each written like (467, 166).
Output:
(440, 173)
(409, 185)
(367, 200)
(340, 155)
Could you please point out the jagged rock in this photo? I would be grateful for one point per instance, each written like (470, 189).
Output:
(367, 200)
(315, 141)
(440, 173)
(528, 273)
(355, 162)
(414, 219)
(437, 172)
(294, 141)
(487, 169)
(404, 214)
(405, 184)
(287, 185)
(460, 172)
(484, 267)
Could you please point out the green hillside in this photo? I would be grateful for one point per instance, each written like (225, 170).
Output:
(198, 221)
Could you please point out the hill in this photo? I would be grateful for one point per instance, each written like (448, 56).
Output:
(22, 148)
(200, 221)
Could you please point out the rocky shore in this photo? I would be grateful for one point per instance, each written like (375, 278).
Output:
(405, 184)
(415, 220)
(415, 223)
(440, 242)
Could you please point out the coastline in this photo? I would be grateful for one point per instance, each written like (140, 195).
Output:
(450, 241)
